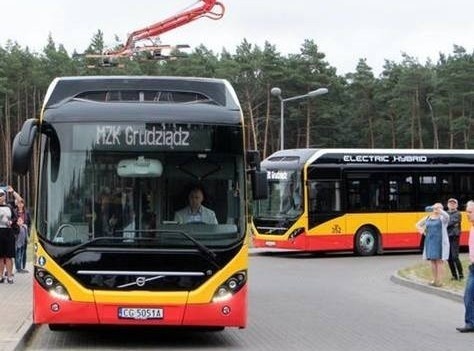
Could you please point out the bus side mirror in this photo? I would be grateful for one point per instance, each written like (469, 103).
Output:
(258, 178)
(259, 185)
(23, 146)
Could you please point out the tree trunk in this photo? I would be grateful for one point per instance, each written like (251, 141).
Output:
(412, 126)
(417, 116)
(253, 136)
(308, 125)
(435, 125)
(393, 128)
(371, 130)
(7, 139)
(267, 122)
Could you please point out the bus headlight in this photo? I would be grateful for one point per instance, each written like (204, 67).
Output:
(230, 287)
(51, 284)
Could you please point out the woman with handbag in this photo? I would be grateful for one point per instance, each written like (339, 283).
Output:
(436, 245)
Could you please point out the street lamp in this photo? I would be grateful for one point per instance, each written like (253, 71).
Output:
(277, 92)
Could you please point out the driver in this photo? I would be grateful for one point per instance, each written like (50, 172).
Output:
(195, 212)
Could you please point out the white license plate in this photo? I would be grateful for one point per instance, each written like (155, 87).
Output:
(140, 313)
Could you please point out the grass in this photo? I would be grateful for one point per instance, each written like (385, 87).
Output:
(421, 272)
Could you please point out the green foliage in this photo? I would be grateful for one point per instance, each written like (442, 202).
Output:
(409, 105)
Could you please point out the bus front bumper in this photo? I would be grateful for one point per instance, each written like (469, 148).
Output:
(48, 309)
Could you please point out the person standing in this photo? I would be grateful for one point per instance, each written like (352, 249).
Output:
(7, 238)
(23, 213)
(469, 290)
(436, 246)
(21, 241)
(454, 231)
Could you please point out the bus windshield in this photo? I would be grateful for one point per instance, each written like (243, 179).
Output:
(130, 195)
(284, 196)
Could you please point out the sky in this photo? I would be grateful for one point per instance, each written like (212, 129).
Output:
(344, 30)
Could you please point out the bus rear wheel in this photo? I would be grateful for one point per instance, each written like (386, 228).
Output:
(366, 241)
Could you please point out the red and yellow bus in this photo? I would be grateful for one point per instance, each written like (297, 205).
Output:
(116, 158)
(362, 200)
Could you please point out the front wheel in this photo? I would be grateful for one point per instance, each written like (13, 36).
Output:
(59, 327)
(366, 241)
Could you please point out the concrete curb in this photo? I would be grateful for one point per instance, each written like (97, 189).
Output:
(423, 287)
(21, 337)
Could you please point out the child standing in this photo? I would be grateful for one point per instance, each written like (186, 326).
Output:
(20, 245)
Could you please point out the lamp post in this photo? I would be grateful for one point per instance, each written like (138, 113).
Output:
(277, 92)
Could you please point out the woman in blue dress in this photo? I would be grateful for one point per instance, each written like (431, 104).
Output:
(436, 247)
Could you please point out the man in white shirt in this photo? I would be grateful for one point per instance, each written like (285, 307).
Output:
(469, 290)
(195, 212)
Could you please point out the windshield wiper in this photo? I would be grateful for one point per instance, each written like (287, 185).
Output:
(211, 255)
(203, 248)
(208, 253)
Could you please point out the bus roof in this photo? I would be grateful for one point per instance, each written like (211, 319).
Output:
(289, 158)
(217, 90)
(292, 158)
(187, 100)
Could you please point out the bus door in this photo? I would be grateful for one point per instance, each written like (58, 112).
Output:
(401, 219)
(324, 206)
(140, 206)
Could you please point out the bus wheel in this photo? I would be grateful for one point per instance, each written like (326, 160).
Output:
(366, 241)
(59, 327)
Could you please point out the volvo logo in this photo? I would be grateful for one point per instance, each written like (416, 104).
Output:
(141, 281)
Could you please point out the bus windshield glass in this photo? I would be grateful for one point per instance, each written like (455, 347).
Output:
(284, 196)
(122, 186)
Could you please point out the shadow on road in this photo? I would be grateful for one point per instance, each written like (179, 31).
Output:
(326, 255)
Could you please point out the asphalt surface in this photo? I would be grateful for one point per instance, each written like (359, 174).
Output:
(16, 305)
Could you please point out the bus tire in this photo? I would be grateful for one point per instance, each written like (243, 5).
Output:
(59, 327)
(213, 329)
(366, 241)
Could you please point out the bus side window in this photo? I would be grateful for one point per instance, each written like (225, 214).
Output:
(400, 192)
(354, 201)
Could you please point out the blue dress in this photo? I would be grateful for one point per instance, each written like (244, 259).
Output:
(433, 240)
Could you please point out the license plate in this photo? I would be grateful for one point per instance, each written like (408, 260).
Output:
(140, 313)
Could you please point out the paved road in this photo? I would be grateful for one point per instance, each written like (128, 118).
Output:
(297, 302)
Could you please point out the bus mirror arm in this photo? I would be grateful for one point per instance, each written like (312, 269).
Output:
(253, 159)
(23, 146)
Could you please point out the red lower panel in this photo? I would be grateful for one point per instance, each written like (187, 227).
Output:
(69, 312)
(309, 243)
(231, 313)
(282, 244)
(339, 242)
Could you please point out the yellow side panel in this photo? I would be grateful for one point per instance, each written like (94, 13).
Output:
(386, 223)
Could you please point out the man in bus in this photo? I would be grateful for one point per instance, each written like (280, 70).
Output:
(469, 290)
(195, 212)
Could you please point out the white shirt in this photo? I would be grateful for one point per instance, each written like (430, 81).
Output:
(203, 215)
